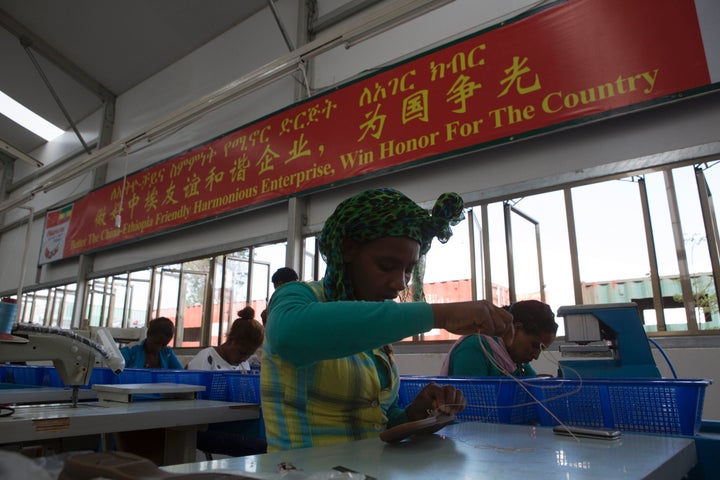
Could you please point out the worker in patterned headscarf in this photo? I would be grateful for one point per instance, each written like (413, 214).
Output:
(327, 374)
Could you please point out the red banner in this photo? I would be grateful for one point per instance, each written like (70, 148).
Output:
(572, 61)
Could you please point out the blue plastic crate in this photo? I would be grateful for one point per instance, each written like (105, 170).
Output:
(186, 377)
(133, 375)
(243, 387)
(664, 406)
(218, 387)
(489, 399)
(35, 375)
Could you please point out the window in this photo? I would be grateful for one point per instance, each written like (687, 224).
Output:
(641, 238)
(52, 307)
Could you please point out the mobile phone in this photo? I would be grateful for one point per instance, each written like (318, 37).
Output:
(586, 432)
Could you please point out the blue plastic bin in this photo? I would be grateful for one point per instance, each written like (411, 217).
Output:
(489, 399)
(35, 375)
(100, 375)
(243, 387)
(187, 377)
(661, 406)
(134, 375)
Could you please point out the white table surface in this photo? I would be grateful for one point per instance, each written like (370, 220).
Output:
(479, 451)
(179, 418)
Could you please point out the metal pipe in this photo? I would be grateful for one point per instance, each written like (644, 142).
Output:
(23, 267)
(27, 43)
(281, 26)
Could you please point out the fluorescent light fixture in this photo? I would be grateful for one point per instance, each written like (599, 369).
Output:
(21, 115)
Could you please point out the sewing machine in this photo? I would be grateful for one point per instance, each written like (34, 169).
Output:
(73, 355)
(605, 341)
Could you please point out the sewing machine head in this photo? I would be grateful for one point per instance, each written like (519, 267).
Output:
(605, 341)
(73, 355)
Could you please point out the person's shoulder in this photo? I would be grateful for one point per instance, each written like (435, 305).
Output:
(310, 289)
(471, 341)
(131, 348)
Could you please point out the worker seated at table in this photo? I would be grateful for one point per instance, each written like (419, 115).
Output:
(328, 372)
(235, 439)
(153, 351)
(244, 338)
(484, 355)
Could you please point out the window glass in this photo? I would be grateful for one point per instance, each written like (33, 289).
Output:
(167, 292)
(313, 266)
(447, 273)
(68, 304)
(138, 298)
(497, 256)
(37, 312)
(235, 289)
(118, 301)
(697, 252)
(611, 239)
(95, 312)
(541, 215)
(712, 178)
(266, 260)
(191, 308)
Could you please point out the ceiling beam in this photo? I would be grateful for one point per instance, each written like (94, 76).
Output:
(26, 37)
(15, 153)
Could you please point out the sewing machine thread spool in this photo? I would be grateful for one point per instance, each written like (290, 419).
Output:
(8, 310)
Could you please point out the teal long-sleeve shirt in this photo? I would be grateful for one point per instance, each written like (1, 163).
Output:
(469, 358)
(304, 330)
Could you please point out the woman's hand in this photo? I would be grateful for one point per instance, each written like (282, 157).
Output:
(445, 398)
(467, 318)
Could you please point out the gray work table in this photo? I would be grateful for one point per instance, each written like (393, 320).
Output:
(481, 451)
(180, 418)
(31, 394)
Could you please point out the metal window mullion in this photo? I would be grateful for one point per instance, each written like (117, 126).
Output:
(486, 251)
(710, 222)
(652, 257)
(572, 243)
(471, 236)
(180, 309)
(685, 286)
(49, 308)
(538, 249)
(541, 276)
(111, 303)
(251, 267)
(61, 307)
(509, 248)
(207, 317)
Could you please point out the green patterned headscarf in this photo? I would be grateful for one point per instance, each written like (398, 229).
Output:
(378, 213)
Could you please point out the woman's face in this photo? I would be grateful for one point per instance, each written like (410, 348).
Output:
(380, 269)
(526, 347)
(237, 352)
(156, 342)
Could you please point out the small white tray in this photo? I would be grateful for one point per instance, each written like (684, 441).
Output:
(127, 392)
